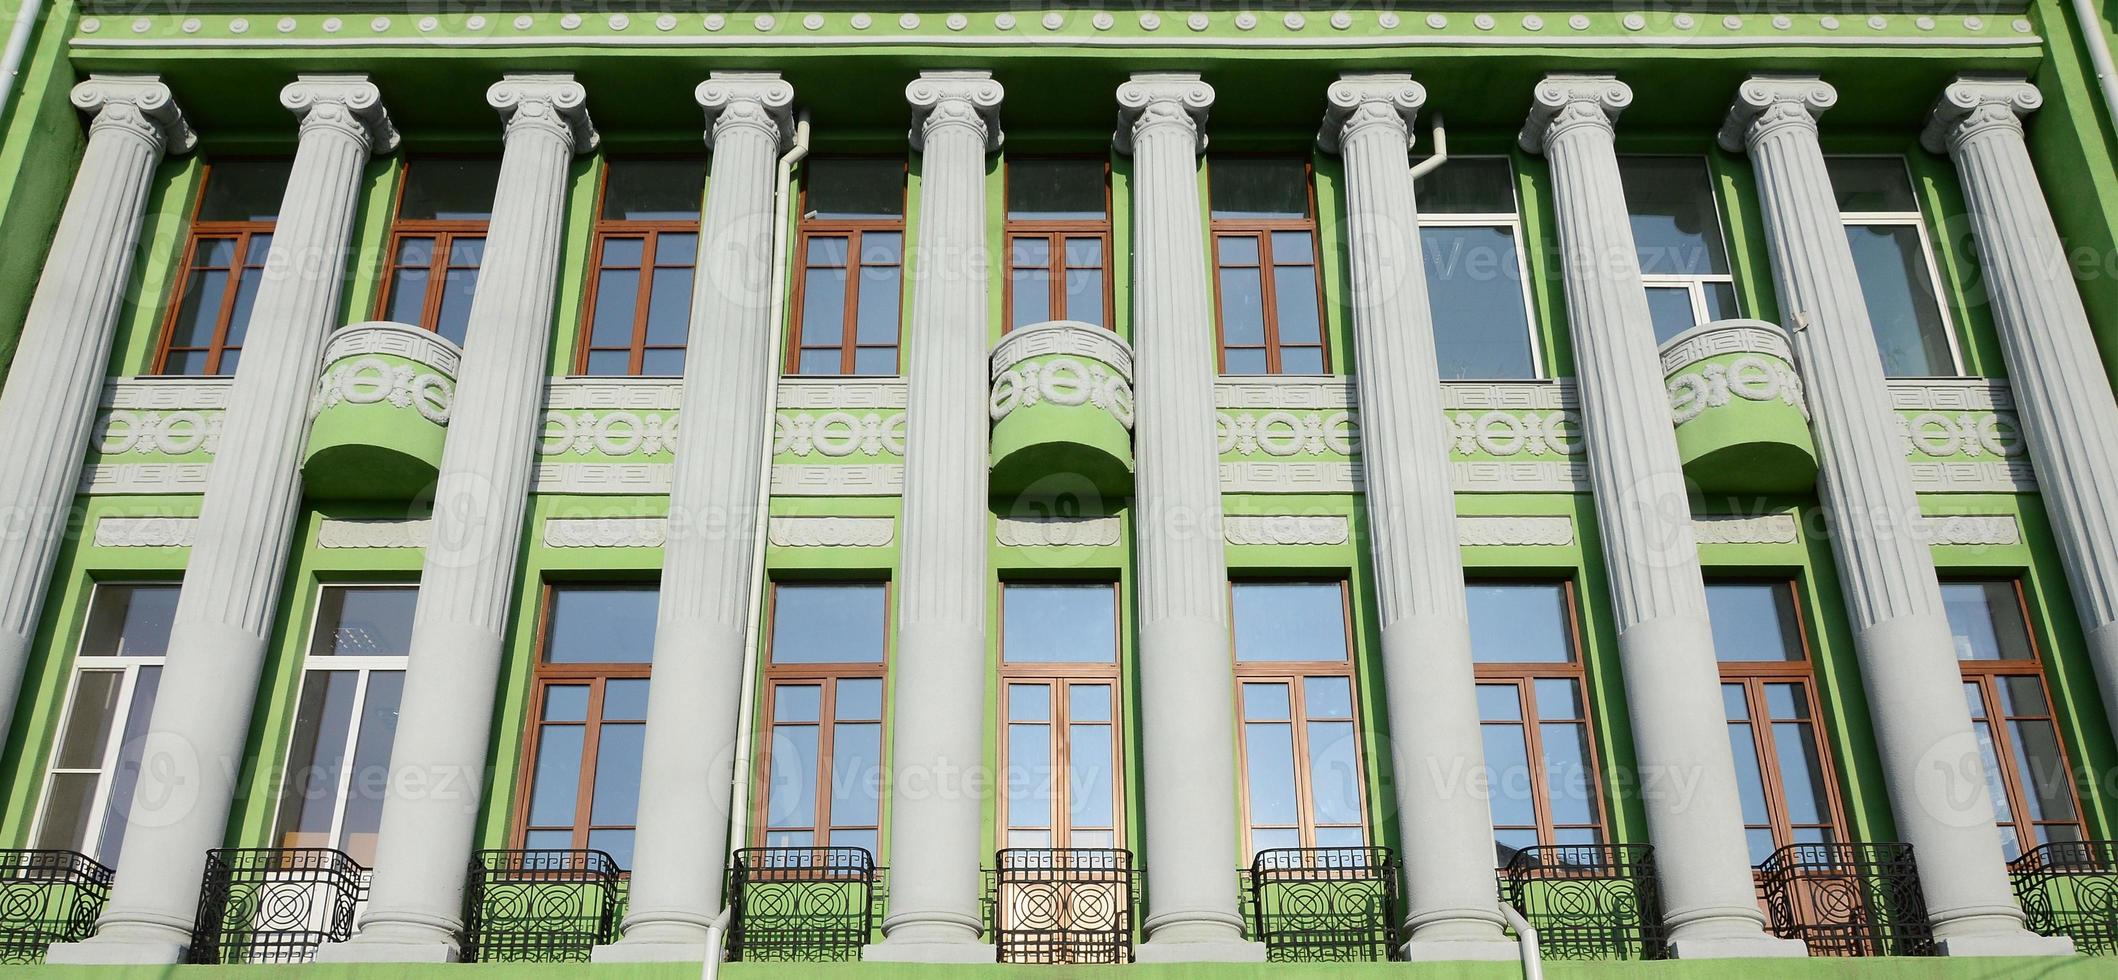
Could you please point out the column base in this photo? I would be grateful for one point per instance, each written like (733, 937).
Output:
(356, 951)
(1755, 947)
(2024, 943)
(624, 952)
(914, 952)
(1200, 952)
(1460, 950)
(115, 952)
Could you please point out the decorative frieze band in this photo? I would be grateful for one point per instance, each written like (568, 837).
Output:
(168, 394)
(145, 532)
(1286, 433)
(831, 532)
(1952, 395)
(411, 533)
(1506, 531)
(1725, 339)
(1728, 529)
(1974, 530)
(605, 532)
(424, 346)
(825, 480)
(1289, 529)
(143, 478)
(1059, 532)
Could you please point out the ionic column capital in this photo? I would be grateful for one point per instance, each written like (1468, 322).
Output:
(1768, 102)
(756, 100)
(1153, 99)
(554, 103)
(136, 104)
(1972, 105)
(941, 99)
(349, 104)
(1564, 102)
(1360, 100)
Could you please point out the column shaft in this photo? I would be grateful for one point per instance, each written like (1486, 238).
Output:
(48, 407)
(437, 762)
(201, 721)
(938, 732)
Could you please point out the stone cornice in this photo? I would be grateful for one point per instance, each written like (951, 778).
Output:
(970, 99)
(1767, 101)
(1162, 99)
(1359, 100)
(1564, 101)
(1972, 104)
(554, 101)
(348, 103)
(137, 104)
(761, 100)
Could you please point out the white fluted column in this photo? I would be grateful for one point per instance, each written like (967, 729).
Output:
(1665, 645)
(2062, 397)
(437, 762)
(1930, 757)
(49, 403)
(201, 722)
(681, 843)
(1426, 632)
(1187, 691)
(939, 660)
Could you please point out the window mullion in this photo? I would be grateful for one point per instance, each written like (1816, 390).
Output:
(217, 346)
(591, 747)
(352, 750)
(636, 358)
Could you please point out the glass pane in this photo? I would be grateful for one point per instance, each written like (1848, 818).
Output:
(865, 840)
(882, 248)
(1258, 187)
(558, 779)
(1559, 698)
(826, 624)
(628, 252)
(1499, 702)
(458, 288)
(371, 765)
(1289, 621)
(1029, 778)
(669, 307)
(1032, 295)
(662, 362)
(654, 189)
(1753, 621)
(1519, 624)
(1030, 252)
(67, 803)
(1509, 787)
(881, 297)
(1047, 190)
(875, 361)
(1266, 702)
(1801, 772)
(1270, 750)
(1786, 702)
(1091, 776)
(127, 776)
(790, 797)
(854, 188)
(1474, 284)
(1267, 839)
(1237, 360)
(2047, 786)
(1721, 300)
(244, 190)
(129, 621)
(1235, 250)
(1996, 787)
(625, 699)
(1327, 697)
(1084, 296)
(408, 296)
(1669, 309)
(1901, 302)
(322, 728)
(1871, 184)
(858, 699)
(200, 315)
(605, 363)
(856, 775)
(364, 622)
(1301, 360)
(1566, 772)
(1676, 229)
(1084, 253)
(449, 189)
(1468, 185)
(246, 287)
(1294, 299)
(797, 702)
(617, 297)
(1059, 623)
(1750, 779)
(91, 723)
(1334, 772)
(677, 250)
(824, 307)
(617, 793)
(616, 843)
(1733, 702)
(1242, 308)
(1089, 702)
(1029, 702)
(1986, 619)
(602, 625)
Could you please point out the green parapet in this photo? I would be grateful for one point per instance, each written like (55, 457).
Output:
(1062, 404)
(380, 413)
(1737, 404)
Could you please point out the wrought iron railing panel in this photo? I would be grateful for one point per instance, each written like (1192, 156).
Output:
(1064, 905)
(275, 905)
(540, 906)
(1330, 904)
(47, 897)
(1849, 899)
(2071, 889)
(1589, 901)
(815, 904)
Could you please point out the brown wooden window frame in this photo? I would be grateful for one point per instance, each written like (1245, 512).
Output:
(547, 675)
(826, 677)
(1260, 232)
(1988, 675)
(1060, 679)
(1054, 233)
(444, 233)
(649, 233)
(244, 234)
(1757, 675)
(852, 230)
(1292, 673)
(1524, 677)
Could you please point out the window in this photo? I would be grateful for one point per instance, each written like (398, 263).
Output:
(1303, 783)
(338, 766)
(96, 764)
(443, 206)
(1058, 242)
(1769, 695)
(1265, 266)
(2026, 766)
(647, 246)
(590, 708)
(1677, 233)
(824, 698)
(1539, 743)
(850, 303)
(1471, 238)
(1059, 675)
(1895, 265)
(224, 263)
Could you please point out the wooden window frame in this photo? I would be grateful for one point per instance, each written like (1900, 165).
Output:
(444, 233)
(1755, 676)
(1060, 678)
(852, 230)
(1292, 673)
(1987, 675)
(1259, 230)
(1524, 676)
(1055, 232)
(649, 233)
(244, 233)
(547, 675)
(825, 676)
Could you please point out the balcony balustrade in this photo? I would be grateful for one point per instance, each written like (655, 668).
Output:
(1064, 905)
(2071, 889)
(532, 906)
(814, 904)
(1325, 904)
(1588, 901)
(47, 897)
(1856, 899)
(275, 905)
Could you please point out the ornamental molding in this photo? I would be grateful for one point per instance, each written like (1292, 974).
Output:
(1768, 101)
(1529, 476)
(605, 532)
(396, 339)
(1285, 433)
(1972, 530)
(1323, 476)
(349, 104)
(1065, 363)
(168, 394)
(618, 433)
(1287, 529)
(1942, 434)
(137, 104)
(1750, 377)
(364, 534)
(828, 480)
(1291, 394)
(836, 435)
(1535, 395)
(111, 479)
(2011, 476)
(645, 479)
(1149, 100)
(845, 394)
(1360, 100)
(1564, 101)
(1514, 531)
(1952, 395)
(604, 394)
(1715, 339)
(1503, 434)
(1729, 529)
(146, 532)
(1069, 337)
(553, 102)
(374, 381)
(970, 99)
(761, 100)
(1973, 104)
(1057, 532)
(831, 532)
(177, 433)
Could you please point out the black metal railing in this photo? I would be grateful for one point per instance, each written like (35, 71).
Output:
(1588, 901)
(815, 904)
(274, 904)
(1851, 899)
(2071, 889)
(540, 906)
(1064, 905)
(47, 897)
(1327, 904)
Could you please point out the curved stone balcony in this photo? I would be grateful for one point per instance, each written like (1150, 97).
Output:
(380, 411)
(1062, 403)
(1737, 403)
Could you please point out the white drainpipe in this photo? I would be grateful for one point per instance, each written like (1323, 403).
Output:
(1526, 940)
(17, 47)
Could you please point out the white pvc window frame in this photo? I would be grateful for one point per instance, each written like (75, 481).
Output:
(312, 664)
(1915, 219)
(107, 766)
(1512, 221)
(1694, 285)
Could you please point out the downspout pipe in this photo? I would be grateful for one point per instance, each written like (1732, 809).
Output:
(17, 48)
(1441, 150)
(1526, 941)
(2091, 23)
